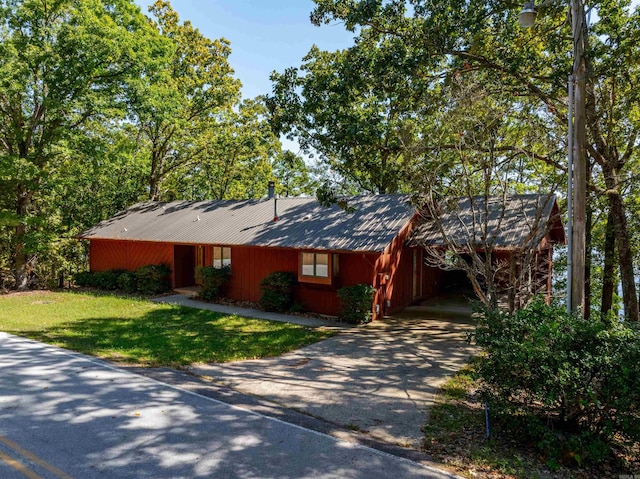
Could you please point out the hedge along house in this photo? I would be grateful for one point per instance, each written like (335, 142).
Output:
(326, 247)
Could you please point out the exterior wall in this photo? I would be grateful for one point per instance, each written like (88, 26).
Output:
(394, 275)
(250, 264)
(129, 255)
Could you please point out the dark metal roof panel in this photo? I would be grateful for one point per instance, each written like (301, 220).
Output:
(302, 223)
(510, 222)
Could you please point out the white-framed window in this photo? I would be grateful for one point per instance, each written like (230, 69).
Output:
(315, 265)
(221, 256)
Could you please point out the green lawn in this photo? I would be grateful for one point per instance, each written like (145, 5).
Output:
(138, 331)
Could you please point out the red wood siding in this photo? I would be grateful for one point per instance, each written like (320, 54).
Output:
(249, 265)
(129, 255)
(394, 275)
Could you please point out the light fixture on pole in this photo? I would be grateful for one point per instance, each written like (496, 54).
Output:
(527, 16)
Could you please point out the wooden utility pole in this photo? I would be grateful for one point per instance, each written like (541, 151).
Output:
(578, 250)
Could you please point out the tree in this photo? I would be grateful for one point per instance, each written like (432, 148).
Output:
(179, 105)
(452, 37)
(235, 162)
(292, 175)
(353, 110)
(63, 63)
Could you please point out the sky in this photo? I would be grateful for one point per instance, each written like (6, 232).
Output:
(265, 35)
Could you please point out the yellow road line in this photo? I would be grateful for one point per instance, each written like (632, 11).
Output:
(18, 466)
(32, 457)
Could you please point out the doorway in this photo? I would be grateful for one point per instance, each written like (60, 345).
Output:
(184, 270)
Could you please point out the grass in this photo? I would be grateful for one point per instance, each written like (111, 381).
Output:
(137, 331)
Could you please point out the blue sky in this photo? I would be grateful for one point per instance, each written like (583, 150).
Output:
(265, 35)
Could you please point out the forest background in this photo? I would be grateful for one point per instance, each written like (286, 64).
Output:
(102, 106)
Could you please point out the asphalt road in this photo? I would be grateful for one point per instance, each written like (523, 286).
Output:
(64, 415)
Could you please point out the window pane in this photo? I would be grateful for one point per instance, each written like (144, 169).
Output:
(322, 265)
(217, 257)
(307, 264)
(226, 256)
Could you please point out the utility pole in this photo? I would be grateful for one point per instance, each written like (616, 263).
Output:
(578, 246)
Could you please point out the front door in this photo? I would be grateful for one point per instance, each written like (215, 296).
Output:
(184, 265)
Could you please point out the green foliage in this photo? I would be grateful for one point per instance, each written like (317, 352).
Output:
(569, 383)
(127, 282)
(64, 64)
(278, 291)
(213, 281)
(356, 303)
(83, 278)
(292, 175)
(153, 279)
(107, 280)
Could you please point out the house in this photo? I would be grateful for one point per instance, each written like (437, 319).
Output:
(368, 242)
(516, 232)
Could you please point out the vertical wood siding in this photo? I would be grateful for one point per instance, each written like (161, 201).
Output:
(129, 255)
(250, 264)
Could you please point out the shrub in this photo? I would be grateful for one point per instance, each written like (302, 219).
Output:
(356, 303)
(153, 279)
(106, 279)
(83, 278)
(127, 282)
(570, 384)
(214, 281)
(278, 291)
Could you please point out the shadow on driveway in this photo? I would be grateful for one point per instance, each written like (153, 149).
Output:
(380, 379)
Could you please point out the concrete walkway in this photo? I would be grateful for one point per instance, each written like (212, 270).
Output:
(379, 379)
(184, 300)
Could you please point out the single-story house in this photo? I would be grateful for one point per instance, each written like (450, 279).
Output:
(368, 242)
(520, 232)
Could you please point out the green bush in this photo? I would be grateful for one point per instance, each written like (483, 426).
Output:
(278, 291)
(83, 278)
(106, 279)
(356, 303)
(127, 282)
(153, 279)
(213, 280)
(568, 383)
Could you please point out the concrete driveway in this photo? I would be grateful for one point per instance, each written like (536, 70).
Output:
(68, 416)
(379, 379)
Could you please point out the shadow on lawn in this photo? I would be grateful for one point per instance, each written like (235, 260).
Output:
(175, 336)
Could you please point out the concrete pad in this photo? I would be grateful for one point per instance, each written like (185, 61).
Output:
(380, 379)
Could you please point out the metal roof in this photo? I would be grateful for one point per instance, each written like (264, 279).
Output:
(506, 223)
(370, 225)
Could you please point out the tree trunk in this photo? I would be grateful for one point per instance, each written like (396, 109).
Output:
(588, 255)
(608, 274)
(623, 243)
(625, 256)
(21, 262)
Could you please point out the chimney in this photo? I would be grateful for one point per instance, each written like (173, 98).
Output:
(272, 189)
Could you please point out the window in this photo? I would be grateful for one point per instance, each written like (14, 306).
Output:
(221, 256)
(315, 264)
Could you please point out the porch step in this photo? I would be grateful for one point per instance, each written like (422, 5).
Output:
(190, 291)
